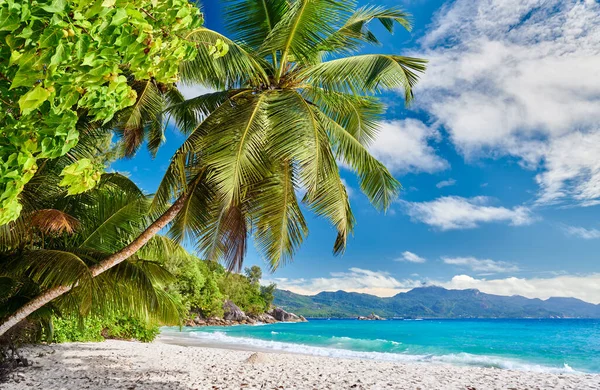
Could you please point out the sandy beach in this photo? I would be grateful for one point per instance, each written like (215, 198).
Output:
(131, 365)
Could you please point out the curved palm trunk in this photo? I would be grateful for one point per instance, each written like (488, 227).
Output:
(99, 268)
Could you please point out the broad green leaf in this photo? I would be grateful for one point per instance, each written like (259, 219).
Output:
(57, 6)
(119, 17)
(33, 99)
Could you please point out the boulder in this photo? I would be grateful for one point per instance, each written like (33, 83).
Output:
(233, 313)
(281, 315)
(370, 317)
(264, 318)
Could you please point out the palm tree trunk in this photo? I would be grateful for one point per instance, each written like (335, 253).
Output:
(104, 265)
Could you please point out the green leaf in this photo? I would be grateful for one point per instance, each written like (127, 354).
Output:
(108, 3)
(33, 99)
(119, 17)
(57, 6)
(80, 176)
(82, 46)
(9, 21)
(51, 37)
(60, 55)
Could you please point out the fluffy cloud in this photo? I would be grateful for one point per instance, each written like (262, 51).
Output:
(588, 234)
(355, 280)
(405, 146)
(586, 288)
(484, 265)
(411, 258)
(521, 78)
(446, 183)
(453, 212)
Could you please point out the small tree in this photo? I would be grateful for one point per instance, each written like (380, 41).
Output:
(254, 274)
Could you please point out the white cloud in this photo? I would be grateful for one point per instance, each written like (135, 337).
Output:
(572, 169)
(454, 212)
(194, 90)
(586, 288)
(446, 183)
(411, 258)
(405, 146)
(359, 280)
(588, 234)
(521, 78)
(483, 265)
(380, 283)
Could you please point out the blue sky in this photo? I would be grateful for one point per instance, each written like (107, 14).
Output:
(498, 156)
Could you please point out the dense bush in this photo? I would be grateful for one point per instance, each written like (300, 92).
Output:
(129, 328)
(68, 329)
(72, 328)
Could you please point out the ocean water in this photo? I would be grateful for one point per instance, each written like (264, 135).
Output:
(548, 345)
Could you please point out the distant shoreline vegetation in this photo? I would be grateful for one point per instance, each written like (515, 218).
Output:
(433, 303)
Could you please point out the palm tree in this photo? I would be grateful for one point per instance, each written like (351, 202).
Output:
(57, 239)
(292, 100)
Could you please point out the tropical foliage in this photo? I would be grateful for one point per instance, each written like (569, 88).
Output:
(56, 240)
(292, 100)
(62, 60)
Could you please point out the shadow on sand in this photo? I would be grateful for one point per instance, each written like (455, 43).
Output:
(98, 370)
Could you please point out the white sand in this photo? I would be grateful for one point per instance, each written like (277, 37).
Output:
(130, 365)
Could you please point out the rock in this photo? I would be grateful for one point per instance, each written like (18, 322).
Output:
(263, 318)
(232, 312)
(281, 315)
(257, 358)
(371, 317)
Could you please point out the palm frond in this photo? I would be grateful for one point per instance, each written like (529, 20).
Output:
(144, 117)
(369, 73)
(305, 25)
(50, 268)
(280, 227)
(233, 145)
(356, 32)
(225, 236)
(238, 66)
(186, 161)
(359, 115)
(113, 222)
(189, 113)
(190, 222)
(119, 182)
(326, 194)
(375, 180)
(52, 221)
(251, 21)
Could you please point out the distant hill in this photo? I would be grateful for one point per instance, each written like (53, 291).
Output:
(433, 302)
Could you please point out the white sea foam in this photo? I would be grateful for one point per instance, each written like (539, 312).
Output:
(457, 358)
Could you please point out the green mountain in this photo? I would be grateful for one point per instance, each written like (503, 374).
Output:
(433, 302)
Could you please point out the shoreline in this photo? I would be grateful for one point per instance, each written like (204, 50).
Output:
(222, 340)
(115, 364)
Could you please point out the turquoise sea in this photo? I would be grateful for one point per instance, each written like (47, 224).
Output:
(548, 345)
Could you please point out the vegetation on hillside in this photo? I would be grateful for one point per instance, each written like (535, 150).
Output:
(433, 302)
